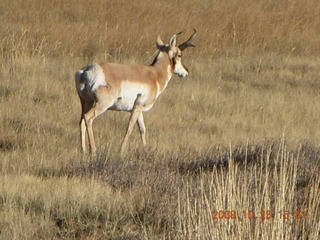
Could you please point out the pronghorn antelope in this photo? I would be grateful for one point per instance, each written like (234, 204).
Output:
(133, 88)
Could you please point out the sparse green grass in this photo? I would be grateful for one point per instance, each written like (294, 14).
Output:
(241, 133)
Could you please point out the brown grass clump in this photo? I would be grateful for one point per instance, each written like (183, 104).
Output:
(240, 136)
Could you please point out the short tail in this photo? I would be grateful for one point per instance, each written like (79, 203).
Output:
(91, 77)
(79, 80)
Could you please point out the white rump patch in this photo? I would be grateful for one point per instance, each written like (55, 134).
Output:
(79, 82)
(94, 77)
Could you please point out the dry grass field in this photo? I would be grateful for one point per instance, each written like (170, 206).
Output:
(233, 150)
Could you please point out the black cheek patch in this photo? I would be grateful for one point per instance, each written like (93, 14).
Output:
(174, 62)
(185, 68)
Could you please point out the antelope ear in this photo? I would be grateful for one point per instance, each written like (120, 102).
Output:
(160, 45)
(173, 41)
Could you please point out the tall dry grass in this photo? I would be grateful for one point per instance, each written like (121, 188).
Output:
(241, 133)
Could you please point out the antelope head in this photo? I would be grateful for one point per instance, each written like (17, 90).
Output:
(175, 52)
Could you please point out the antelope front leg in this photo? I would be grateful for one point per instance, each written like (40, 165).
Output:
(133, 119)
(136, 112)
(142, 128)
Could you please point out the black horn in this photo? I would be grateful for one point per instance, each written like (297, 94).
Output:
(188, 43)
